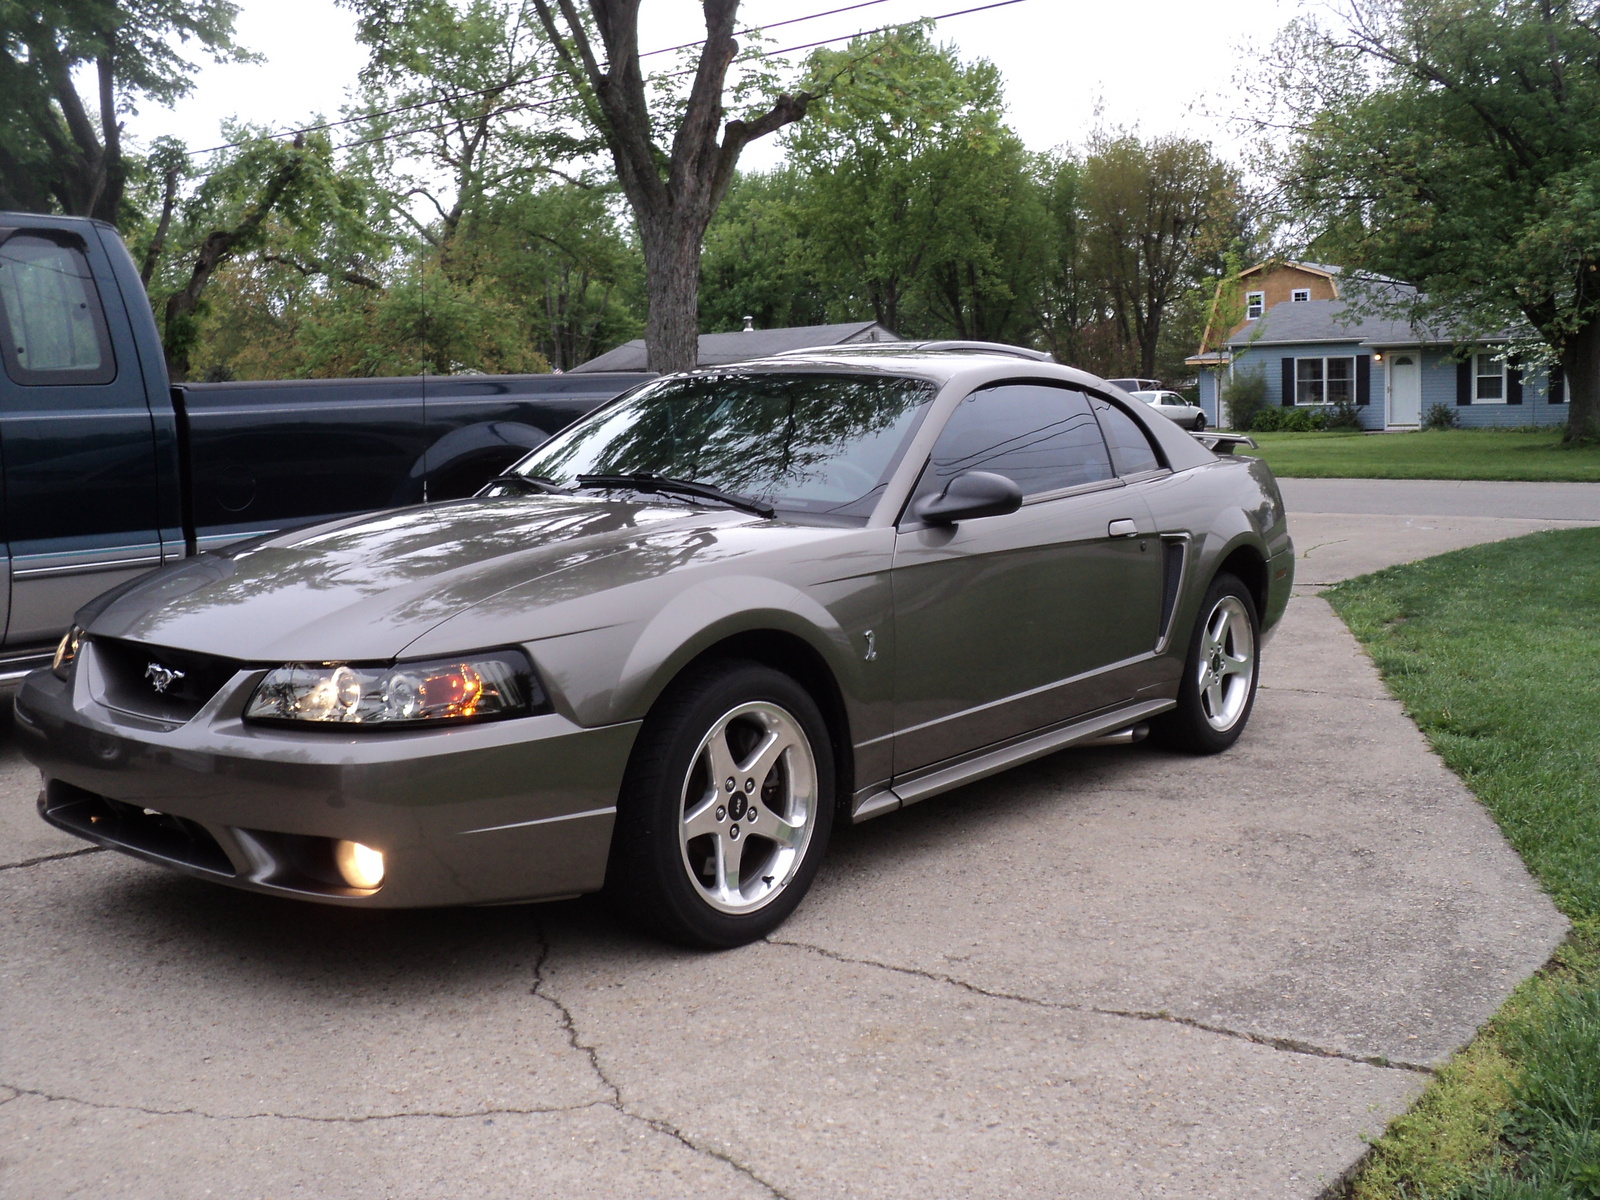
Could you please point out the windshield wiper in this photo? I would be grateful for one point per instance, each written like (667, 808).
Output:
(533, 484)
(646, 482)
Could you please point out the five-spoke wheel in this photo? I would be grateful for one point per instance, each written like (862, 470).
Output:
(749, 807)
(1218, 687)
(726, 807)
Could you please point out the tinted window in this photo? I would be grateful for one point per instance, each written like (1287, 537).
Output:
(1043, 438)
(807, 442)
(1131, 450)
(50, 315)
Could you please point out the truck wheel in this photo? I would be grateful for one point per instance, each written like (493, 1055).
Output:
(1218, 688)
(726, 808)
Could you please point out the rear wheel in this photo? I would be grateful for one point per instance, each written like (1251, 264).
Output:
(726, 808)
(1218, 688)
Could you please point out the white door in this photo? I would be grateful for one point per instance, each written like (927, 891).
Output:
(1405, 389)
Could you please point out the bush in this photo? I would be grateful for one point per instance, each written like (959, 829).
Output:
(1441, 416)
(1289, 420)
(1342, 415)
(1246, 395)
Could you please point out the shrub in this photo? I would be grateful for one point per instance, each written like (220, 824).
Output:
(1441, 416)
(1342, 415)
(1266, 420)
(1289, 420)
(1246, 395)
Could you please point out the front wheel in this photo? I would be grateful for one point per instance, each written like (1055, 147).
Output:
(1200, 423)
(726, 808)
(1218, 688)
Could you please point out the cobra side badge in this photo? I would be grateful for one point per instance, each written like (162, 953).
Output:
(160, 677)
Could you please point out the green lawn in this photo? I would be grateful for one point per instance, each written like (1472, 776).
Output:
(1435, 454)
(1495, 652)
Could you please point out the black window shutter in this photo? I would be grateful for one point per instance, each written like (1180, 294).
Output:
(1513, 385)
(1288, 383)
(1464, 382)
(1363, 379)
(1558, 385)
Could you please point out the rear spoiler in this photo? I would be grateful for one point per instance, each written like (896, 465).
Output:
(1223, 443)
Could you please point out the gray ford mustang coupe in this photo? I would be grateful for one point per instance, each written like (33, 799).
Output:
(676, 643)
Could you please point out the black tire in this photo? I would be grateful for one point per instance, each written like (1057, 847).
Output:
(668, 879)
(1200, 724)
(1200, 423)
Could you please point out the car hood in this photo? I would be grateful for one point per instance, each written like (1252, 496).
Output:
(367, 588)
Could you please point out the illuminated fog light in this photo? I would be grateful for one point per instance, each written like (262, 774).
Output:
(361, 866)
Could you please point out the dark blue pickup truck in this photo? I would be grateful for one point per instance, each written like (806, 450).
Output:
(109, 470)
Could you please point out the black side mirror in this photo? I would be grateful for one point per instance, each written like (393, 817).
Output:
(970, 494)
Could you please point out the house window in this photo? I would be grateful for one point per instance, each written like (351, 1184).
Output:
(1300, 295)
(1489, 380)
(1325, 381)
(1255, 303)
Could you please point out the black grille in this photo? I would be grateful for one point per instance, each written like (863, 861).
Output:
(102, 819)
(132, 671)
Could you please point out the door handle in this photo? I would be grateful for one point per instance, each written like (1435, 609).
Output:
(1122, 527)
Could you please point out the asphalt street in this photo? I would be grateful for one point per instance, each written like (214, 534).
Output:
(1111, 973)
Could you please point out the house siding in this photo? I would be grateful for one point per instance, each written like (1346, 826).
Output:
(1438, 385)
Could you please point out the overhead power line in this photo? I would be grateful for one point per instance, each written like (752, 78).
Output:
(543, 104)
(511, 83)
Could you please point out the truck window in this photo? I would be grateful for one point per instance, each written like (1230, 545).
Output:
(50, 316)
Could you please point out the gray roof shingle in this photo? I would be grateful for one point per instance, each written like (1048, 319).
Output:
(719, 349)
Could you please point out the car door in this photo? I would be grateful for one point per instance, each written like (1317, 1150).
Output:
(1011, 623)
(76, 434)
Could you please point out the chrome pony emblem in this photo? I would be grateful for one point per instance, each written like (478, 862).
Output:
(161, 678)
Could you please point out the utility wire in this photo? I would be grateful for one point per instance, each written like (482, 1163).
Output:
(543, 104)
(511, 83)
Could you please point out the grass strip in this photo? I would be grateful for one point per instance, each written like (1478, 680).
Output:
(1514, 454)
(1495, 653)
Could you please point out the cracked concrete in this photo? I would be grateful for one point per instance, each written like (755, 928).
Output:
(1113, 973)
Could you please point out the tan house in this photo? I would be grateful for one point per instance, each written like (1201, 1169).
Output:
(1257, 289)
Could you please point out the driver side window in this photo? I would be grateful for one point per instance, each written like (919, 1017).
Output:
(1041, 437)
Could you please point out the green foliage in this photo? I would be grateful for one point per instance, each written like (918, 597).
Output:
(758, 261)
(1274, 419)
(59, 152)
(1342, 414)
(1245, 394)
(1441, 416)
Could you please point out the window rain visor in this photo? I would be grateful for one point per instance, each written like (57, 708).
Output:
(807, 442)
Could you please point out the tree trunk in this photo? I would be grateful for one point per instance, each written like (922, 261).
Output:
(1580, 363)
(672, 284)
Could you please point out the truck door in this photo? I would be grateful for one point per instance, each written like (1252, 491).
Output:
(76, 435)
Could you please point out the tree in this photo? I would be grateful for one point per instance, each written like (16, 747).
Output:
(1157, 216)
(757, 261)
(282, 202)
(675, 193)
(1457, 146)
(59, 151)
(900, 127)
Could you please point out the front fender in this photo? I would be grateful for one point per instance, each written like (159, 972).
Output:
(696, 620)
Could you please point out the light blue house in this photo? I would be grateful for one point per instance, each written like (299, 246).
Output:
(1315, 352)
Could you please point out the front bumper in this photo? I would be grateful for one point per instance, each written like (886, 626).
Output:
(496, 812)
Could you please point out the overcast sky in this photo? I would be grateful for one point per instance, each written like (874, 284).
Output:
(1156, 65)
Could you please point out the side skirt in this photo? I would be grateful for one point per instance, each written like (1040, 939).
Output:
(944, 777)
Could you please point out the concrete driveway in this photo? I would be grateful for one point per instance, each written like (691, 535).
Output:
(1111, 973)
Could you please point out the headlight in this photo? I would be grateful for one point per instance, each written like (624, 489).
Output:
(476, 687)
(66, 653)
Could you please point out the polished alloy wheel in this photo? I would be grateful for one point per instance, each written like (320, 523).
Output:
(1227, 664)
(749, 807)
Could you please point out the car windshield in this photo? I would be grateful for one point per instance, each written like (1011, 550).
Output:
(808, 442)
